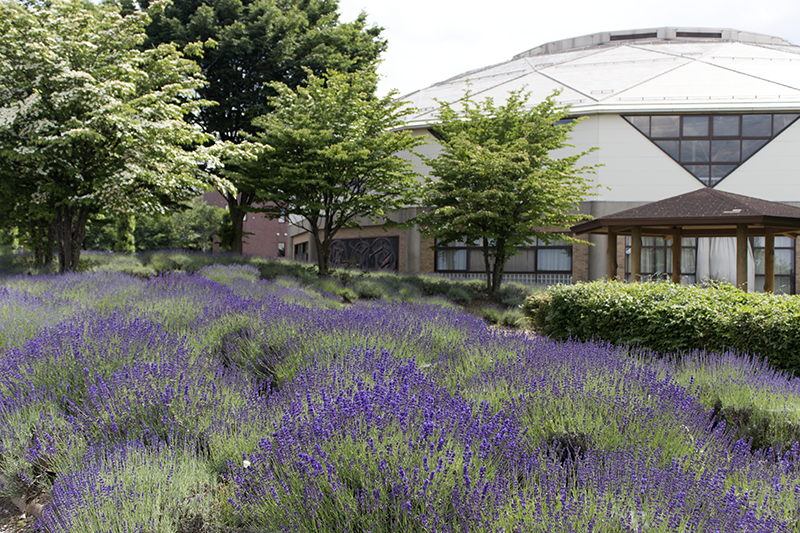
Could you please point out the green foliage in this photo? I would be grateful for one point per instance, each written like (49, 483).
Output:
(496, 182)
(333, 155)
(247, 46)
(93, 123)
(188, 229)
(672, 318)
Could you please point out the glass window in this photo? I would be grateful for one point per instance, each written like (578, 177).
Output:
(781, 121)
(665, 126)
(784, 258)
(554, 259)
(657, 257)
(784, 264)
(451, 259)
(695, 126)
(726, 126)
(700, 172)
(725, 151)
(641, 123)
(525, 261)
(756, 125)
(751, 146)
(694, 151)
(476, 260)
(728, 140)
(281, 249)
(670, 147)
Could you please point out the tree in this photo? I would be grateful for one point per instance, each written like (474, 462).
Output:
(496, 181)
(254, 43)
(191, 228)
(333, 156)
(90, 123)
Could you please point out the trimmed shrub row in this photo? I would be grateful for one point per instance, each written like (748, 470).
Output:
(672, 318)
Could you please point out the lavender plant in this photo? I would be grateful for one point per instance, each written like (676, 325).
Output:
(220, 400)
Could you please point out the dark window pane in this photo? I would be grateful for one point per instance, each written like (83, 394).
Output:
(726, 126)
(783, 285)
(555, 259)
(699, 171)
(720, 171)
(641, 123)
(751, 146)
(781, 121)
(665, 126)
(756, 125)
(688, 256)
(451, 260)
(758, 255)
(670, 147)
(653, 260)
(725, 151)
(476, 261)
(783, 261)
(695, 126)
(694, 151)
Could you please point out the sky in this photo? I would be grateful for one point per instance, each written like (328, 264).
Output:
(433, 40)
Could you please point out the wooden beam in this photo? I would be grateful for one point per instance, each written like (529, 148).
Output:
(741, 256)
(611, 255)
(769, 262)
(636, 254)
(676, 258)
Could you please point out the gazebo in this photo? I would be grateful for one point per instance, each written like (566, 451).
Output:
(705, 212)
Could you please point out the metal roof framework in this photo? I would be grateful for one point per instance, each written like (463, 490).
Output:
(702, 213)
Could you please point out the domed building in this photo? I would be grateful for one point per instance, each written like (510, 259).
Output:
(672, 111)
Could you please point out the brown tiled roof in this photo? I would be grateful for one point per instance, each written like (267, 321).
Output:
(703, 207)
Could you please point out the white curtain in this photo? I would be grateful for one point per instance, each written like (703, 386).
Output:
(716, 260)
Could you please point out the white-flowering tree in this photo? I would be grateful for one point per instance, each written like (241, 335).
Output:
(89, 123)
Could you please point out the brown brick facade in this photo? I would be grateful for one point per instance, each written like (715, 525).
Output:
(580, 260)
(427, 256)
(262, 235)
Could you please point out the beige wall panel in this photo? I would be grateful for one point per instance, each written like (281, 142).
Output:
(431, 148)
(773, 173)
(635, 169)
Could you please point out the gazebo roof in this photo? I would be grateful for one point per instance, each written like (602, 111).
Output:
(705, 212)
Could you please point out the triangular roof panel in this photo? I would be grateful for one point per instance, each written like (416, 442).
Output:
(702, 81)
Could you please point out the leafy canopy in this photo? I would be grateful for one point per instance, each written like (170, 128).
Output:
(89, 122)
(334, 155)
(497, 182)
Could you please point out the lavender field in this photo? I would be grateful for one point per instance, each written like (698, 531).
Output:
(218, 401)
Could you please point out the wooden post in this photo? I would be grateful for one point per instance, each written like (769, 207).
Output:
(769, 262)
(676, 257)
(741, 256)
(636, 254)
(611, 255)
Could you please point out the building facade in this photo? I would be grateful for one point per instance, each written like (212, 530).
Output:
(671, 110)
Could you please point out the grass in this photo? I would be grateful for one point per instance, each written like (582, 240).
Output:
(242, 396)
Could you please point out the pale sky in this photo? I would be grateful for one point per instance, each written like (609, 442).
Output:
(432, 40)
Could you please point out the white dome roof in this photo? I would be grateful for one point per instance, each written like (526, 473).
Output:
(635, 71)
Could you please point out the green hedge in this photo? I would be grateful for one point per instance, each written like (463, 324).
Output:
(672, 318)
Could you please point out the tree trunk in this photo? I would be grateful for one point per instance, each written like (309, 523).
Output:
(487, 266)
(323, 251)
(235, 205)
(499, 265)
(42, 235)
(70, 229)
